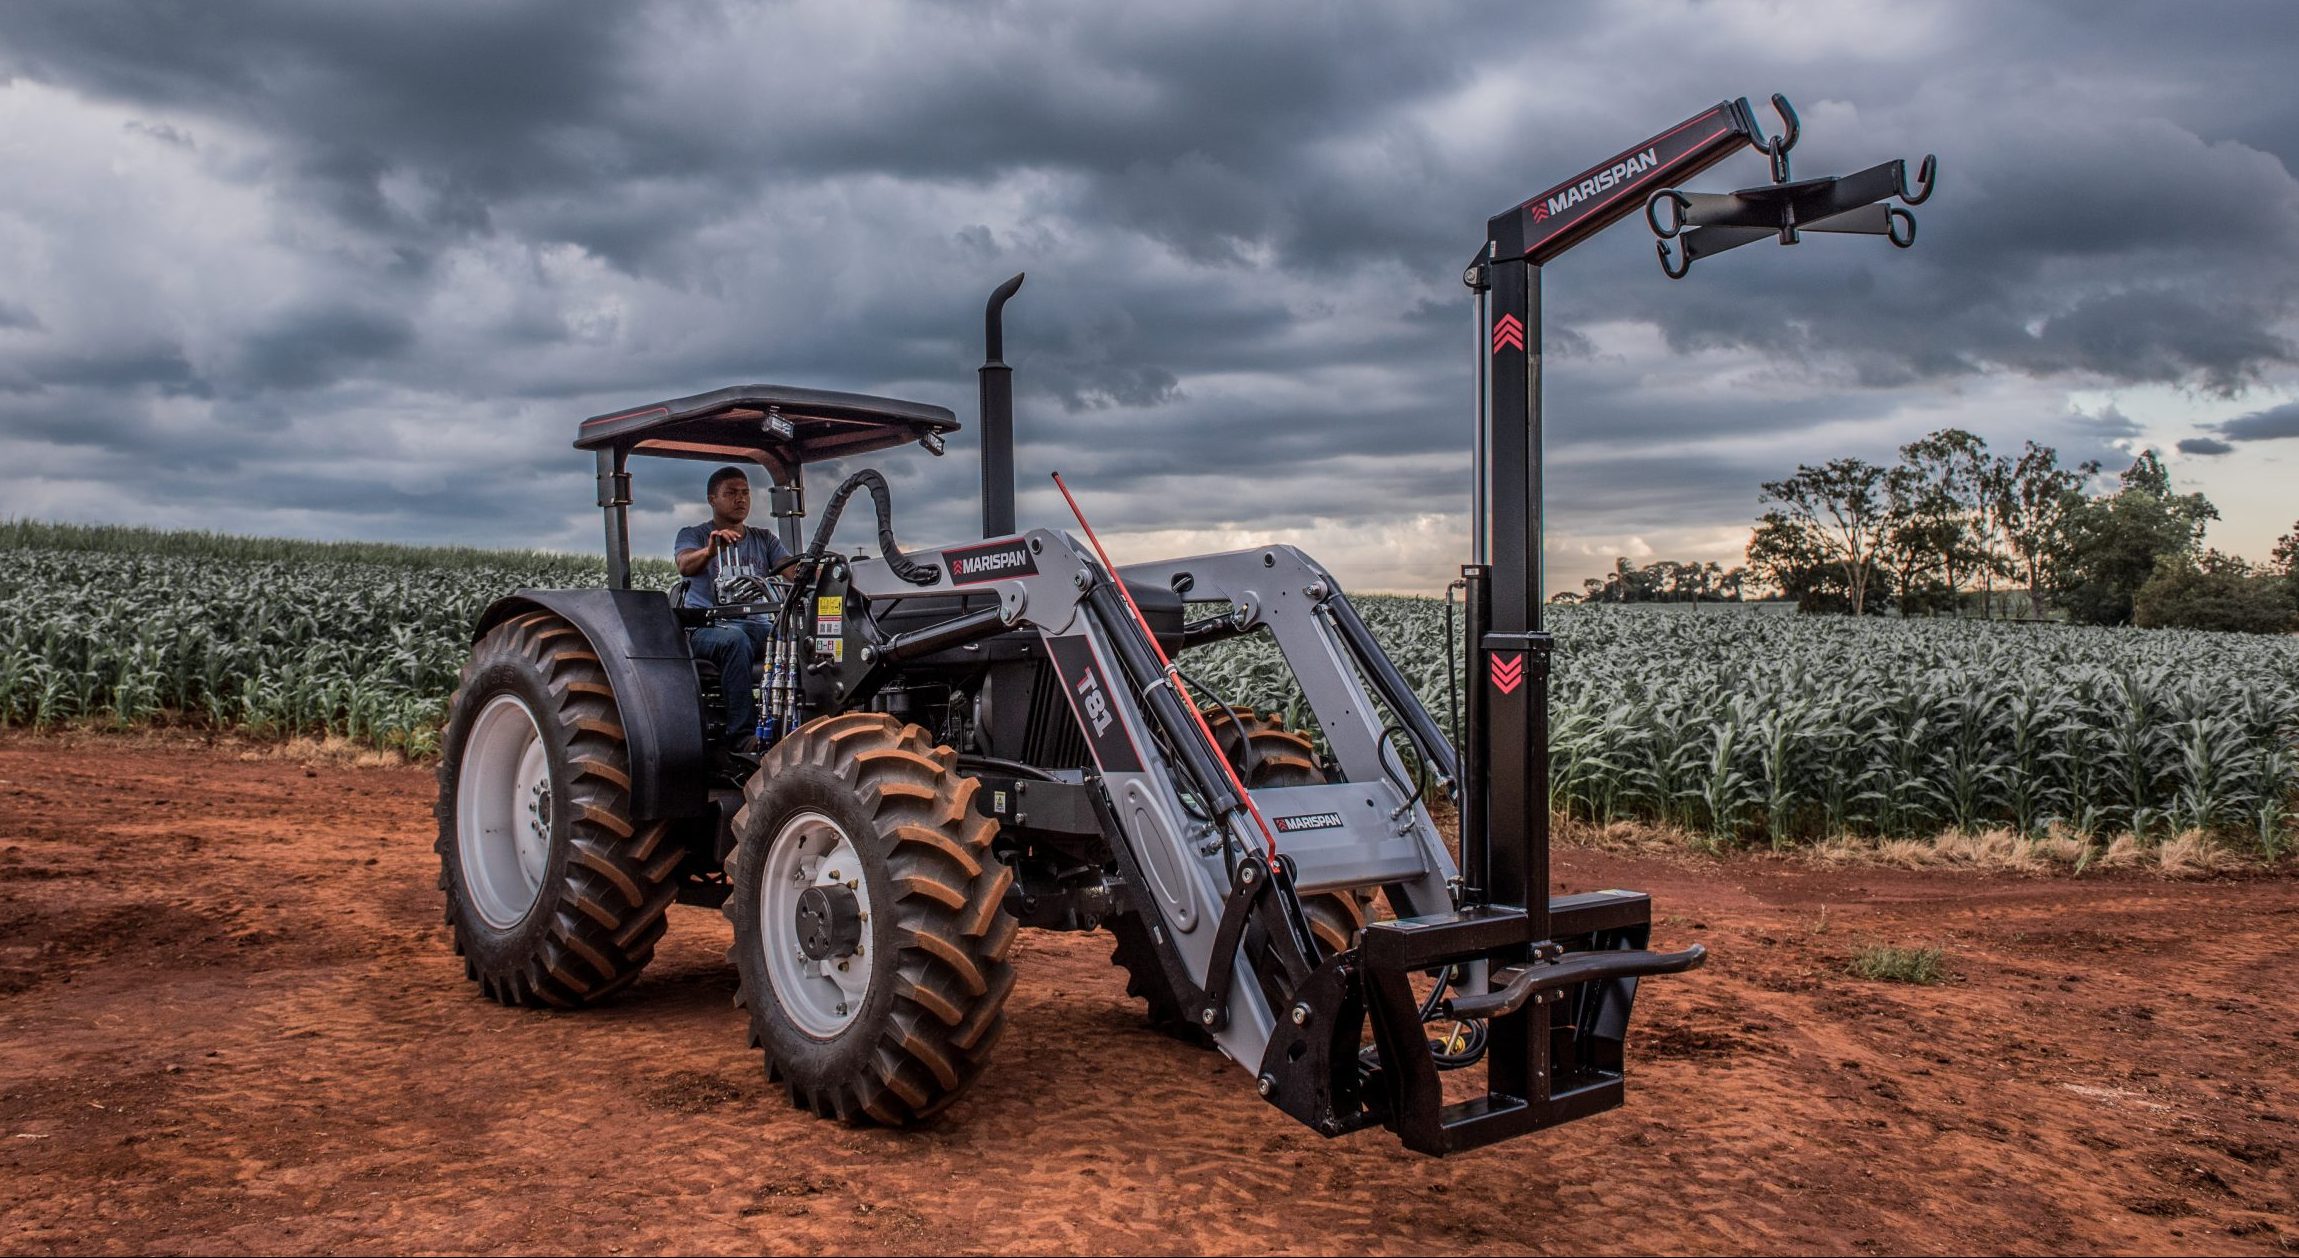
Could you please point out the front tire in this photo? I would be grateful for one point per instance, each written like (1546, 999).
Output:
(555, 896)
(870, 933)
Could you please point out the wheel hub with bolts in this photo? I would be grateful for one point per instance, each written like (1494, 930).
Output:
(814, 908)
(829, 922)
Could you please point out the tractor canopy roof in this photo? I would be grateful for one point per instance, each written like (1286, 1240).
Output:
(775, 425)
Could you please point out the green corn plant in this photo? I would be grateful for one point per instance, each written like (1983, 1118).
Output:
(1905, 758)
(1967, 772)
(1721, 787)
(1780, 734)
(2271, 810)
(2035, 725)
(2134, 736)
(2212, 763)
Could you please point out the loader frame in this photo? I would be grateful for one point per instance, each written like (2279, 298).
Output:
(1564, 969)
(1543, 1069)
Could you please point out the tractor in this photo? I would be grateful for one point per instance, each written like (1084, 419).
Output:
(967, 739)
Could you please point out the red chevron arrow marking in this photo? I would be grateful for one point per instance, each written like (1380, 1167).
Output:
(1508, 673)
(1508, 332)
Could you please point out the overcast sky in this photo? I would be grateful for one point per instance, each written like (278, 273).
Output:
(356, 270)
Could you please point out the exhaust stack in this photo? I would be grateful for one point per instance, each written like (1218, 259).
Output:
(997, 417)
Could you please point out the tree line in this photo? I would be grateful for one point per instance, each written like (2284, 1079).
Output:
(1953, 528)
(1665, 581)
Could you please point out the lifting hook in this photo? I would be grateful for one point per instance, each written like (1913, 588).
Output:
(1675, 224)
(1925, 174)
(1895, 219)
(1777, 147)
(1672, 272)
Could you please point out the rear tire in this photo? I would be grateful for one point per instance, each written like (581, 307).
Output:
(1136, 953)
(1264, 752)
(1266, 755)
(887, 1014)
(555, 896)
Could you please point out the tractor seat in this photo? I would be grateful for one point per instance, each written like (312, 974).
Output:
(707, 672)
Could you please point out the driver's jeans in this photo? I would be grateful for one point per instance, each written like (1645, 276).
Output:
(735, 645)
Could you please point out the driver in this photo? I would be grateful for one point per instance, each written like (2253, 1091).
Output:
(726, 563)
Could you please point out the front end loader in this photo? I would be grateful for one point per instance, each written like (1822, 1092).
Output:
(970, 739)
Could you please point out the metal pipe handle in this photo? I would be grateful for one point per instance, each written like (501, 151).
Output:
(1521, 983)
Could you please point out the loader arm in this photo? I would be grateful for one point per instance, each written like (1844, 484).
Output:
(1179, 828)
(1226, 914)
(1587, 203)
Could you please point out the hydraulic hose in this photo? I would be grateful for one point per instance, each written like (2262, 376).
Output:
(1415, 790)
(1248, 760)
(902, 565)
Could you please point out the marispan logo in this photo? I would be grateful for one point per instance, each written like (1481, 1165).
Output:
(988, 563)
(1508, 332)
(1508, 672)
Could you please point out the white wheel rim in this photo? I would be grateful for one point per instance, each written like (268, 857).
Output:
(503, 811)
(822, 997)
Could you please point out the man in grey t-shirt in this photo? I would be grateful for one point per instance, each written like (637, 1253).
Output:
(725, 562)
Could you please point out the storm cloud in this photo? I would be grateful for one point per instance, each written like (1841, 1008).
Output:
(356, 270)
(2282, 421)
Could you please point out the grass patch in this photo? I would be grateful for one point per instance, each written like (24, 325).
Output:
(1886, 964)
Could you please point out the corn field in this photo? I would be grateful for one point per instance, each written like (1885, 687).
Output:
(127, 627)
(1748, 726)
(1742, 726)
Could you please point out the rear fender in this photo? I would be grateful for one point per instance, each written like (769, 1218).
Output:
(639, 642)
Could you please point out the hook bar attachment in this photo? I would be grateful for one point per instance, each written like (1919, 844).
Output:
(1689, 226)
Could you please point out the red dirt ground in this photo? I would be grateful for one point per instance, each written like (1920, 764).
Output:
(230, 1022)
